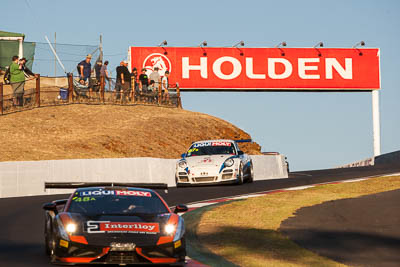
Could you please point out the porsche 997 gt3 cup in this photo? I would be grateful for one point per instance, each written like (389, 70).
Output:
(114, 225)
(213, 162)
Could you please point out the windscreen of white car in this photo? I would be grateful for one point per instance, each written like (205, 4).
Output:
(211, 148)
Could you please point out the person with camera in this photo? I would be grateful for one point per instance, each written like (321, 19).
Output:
(17, 80)
(26, 70)
(18, 72)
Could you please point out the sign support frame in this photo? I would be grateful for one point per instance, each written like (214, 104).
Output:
(376, 123)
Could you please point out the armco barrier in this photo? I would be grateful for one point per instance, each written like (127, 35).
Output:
(26, 178)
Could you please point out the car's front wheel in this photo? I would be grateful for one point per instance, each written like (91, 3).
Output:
(182, 259)
(250, 178)
(50, 245)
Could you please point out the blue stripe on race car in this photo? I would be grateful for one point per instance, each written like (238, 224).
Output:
(222, 167)
(223, 164)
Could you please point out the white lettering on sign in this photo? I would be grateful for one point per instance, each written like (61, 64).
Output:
(237, 68)
(250, 70)
(346, 72)
(302, 68)
(202, 68)
(271, 68)
(307, 68)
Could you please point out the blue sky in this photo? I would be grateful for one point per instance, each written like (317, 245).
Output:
(314, 130)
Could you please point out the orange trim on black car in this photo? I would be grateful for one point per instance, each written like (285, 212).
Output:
(156, 260)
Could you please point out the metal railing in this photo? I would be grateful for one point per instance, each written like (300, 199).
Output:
(52, 91)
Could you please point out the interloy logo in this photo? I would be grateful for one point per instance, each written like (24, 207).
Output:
(121, 227)
(208, 68)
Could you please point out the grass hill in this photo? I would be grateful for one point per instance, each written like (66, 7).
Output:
(109, 131)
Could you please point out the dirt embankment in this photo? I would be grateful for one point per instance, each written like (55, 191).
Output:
(89, 131)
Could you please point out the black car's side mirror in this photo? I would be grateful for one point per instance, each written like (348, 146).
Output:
(180, 208)
(240, 152)
(53, 206)
(60, 202)
(50, 206)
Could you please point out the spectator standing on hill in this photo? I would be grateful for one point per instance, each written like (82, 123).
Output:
(155, 77)
(165, 86)
(118, 84)
(135, 78)
(123, 79)
(17, 80)
(97, 69)
(104, 73)
(85, 68)
(143, 81)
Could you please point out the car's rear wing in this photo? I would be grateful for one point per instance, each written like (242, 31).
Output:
(70, 185)
(244, 141)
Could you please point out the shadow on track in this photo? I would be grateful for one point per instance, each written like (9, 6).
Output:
(258, 243)
(353, 248)
(361, 231)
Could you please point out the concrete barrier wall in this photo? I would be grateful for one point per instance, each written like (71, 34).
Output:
(269, 167)
(26, 178)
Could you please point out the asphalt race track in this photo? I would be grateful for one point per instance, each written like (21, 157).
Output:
(358, 232)
(21, 226)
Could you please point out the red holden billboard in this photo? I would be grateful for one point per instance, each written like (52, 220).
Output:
(214, 68)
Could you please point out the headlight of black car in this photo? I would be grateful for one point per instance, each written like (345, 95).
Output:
(169, 229)
(176, 230)
(65, 231)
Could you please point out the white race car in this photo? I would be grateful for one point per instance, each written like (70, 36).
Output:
(214, 162)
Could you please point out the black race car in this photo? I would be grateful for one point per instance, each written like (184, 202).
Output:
(114, 225)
